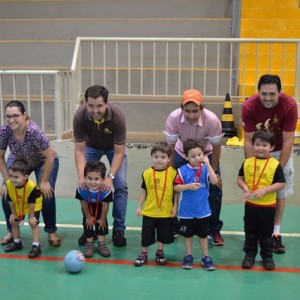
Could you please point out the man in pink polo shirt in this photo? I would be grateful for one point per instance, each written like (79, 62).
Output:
(192, 120)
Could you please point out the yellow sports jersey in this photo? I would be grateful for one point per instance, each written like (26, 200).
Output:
(17, 196)
(159, 198)
(264, 175)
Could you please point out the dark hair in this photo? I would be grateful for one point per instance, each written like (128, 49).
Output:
(95, 166)
(20, 165)
(269, 79)
(95, 91)
(190, 144)
(163, 147)
(264, 136)
(16, 103)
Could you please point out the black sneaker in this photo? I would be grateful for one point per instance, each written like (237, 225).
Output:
(268, 264)
(13, 247)
(35, 251)
(160, 258)
(140, 260)
(82, 239)
(118, 238)
(248, 262)
(278, 247)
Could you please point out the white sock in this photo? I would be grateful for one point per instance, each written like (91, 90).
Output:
(17, 241)
(36, 244)
(276, 230)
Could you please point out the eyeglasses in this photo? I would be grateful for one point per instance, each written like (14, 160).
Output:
(14, 117)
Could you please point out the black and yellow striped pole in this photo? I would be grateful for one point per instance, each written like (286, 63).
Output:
(227, 119)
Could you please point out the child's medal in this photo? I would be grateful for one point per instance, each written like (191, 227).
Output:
(159, 203)
(21, 220)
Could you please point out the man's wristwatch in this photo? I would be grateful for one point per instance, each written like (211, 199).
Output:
(111, 176)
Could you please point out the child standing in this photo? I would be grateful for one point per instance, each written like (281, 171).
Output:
(160, 204)
(24, 198)
(192, 182)
(260, 177)
(94, 205)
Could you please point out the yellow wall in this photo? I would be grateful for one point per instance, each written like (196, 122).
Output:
(269, 19)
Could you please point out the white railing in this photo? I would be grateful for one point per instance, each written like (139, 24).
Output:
(47, 96)
(167, 66)
(155, 67)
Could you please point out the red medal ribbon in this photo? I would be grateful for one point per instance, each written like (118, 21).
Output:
(255, 185)
(164, 189)
(97, 207)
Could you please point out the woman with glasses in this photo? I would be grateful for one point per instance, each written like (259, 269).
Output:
(27, 141)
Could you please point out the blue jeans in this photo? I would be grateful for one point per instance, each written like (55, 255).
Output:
(49, 205)
(214, 198)
(120, 185)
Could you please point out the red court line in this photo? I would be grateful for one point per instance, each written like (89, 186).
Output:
(169, 264)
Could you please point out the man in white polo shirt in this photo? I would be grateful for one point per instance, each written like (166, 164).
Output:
(192, 120)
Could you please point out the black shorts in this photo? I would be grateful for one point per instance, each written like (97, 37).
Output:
(89, 232)
(163, 228)
(191, 227)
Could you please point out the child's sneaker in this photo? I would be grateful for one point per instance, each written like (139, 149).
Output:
(88, 250)
(208, 263)
(35, 251)
(103, 250)
(160, 258)
(13, 247)
(187, 262)
(278, 247)
(140, 260)
(268, 264)
(248, 262)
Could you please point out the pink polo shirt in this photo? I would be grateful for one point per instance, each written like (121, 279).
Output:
(208, 125)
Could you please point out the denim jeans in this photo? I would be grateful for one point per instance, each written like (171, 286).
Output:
(214, 198)
(49, 205)
(120, 185)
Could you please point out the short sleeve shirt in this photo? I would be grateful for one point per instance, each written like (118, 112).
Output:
(35, 142)
(282, 117)
(100, 136)
(209, 125)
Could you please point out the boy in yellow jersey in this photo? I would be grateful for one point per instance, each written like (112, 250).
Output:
(260, 177)
(24, 198)
(159, 204)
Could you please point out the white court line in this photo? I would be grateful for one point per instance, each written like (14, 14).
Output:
(130, 228)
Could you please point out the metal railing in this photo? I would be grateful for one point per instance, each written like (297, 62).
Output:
(155, 67)
(168, 66)
(47, 95)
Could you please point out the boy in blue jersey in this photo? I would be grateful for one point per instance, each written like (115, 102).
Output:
(260, 177)
(192, 182)
(94, 205)
(157, 204)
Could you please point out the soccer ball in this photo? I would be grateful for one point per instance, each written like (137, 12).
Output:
(74, 261)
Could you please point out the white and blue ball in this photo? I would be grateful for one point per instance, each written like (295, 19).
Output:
(74, 261)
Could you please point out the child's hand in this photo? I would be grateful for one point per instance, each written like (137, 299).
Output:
(33, 222)
(102, 223)
(205, 160)
(259, 193)
(89, 222)
(13, 218)
(174, 211)
(194, 186)
(138, 212)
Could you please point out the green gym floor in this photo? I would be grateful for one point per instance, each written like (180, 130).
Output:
(116, 277)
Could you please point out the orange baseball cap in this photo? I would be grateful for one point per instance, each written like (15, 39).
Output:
(191, 96)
